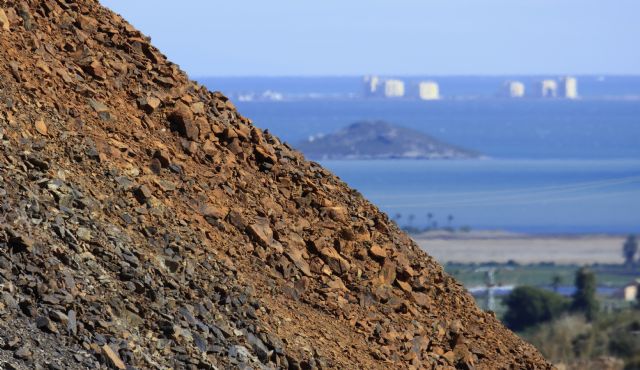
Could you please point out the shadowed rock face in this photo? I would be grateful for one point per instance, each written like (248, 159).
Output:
(146, 224)
(380, 140)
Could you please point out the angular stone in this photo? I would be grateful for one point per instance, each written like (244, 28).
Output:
(336, 213)
(450, 356)
(264, 155)
(96, 70)
(9, 301)
(217, 212)
(43, 323)
(23, 353)
(229, 134)
(336, 262)
(4, 21)
(84, 234)
(404, 285)
(98, 106)
(163, 156)
(197, 108)
(377, 252)
(337, 284)
(149, 103)
(236, 219)
(72, 327)
(296, 256)
(181, 119)
(422, 299)
(21, 243)
(112, 358)
(41, 127)
(262, 233)
(387, 274)
(142, 193)
(59, 316)
(155, 166)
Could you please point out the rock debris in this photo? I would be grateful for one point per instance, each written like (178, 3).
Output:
(146, 224)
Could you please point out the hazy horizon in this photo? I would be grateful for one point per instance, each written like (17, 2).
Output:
(414, 37)
(410, 76)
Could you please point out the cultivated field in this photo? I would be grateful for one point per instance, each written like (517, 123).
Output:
(478, 247)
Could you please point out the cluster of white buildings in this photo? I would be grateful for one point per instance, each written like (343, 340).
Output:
(565, 87)
(375, 86)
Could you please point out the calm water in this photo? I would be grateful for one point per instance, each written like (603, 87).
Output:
(535, 196)
(528, 129)
(556, 166)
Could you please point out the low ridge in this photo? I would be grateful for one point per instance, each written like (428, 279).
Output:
(146, 224)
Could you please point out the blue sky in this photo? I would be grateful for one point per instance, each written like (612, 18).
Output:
(399, 37)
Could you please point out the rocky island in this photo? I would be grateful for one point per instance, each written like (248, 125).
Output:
(380, 140)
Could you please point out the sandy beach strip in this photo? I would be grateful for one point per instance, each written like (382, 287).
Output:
(478, 247)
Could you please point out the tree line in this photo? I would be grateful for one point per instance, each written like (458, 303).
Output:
(409, 224)
(528, 306)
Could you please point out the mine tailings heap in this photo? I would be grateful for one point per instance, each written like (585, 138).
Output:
(144, 223)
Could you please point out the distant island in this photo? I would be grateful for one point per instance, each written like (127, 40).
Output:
(380, 140)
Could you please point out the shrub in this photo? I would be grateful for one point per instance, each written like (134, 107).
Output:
(528, 306)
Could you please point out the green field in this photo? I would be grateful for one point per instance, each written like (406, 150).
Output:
(540, 275)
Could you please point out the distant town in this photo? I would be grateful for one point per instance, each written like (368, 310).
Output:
(559, 87)
(391, 88)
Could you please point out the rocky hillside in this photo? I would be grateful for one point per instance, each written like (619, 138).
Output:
(380, 140)
(145, 224)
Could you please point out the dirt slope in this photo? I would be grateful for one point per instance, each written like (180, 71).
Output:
(146, 224)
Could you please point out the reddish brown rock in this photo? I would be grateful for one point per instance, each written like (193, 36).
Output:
(113, 357)
(149, 103)
(262, 233)
(378, 252)
(334, 260)
(41, 127)
(210, 210)
(143, 193)
(297, 257)
(4, 21)
(387, 274)
(181, 120)
(162, 156)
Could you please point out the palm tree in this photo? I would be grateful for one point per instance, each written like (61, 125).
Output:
(629, 250)
(556, 280)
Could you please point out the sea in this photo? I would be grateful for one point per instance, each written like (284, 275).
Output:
(549, 166)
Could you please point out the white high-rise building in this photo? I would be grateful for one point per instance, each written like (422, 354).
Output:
(371, 85)
(569, 87)
(514, 89)
(393, 89)
(429, 90)
(547, 89)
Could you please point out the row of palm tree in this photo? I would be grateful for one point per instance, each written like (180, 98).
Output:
(432, 223)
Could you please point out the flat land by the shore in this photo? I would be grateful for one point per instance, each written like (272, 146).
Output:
(478, 247)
